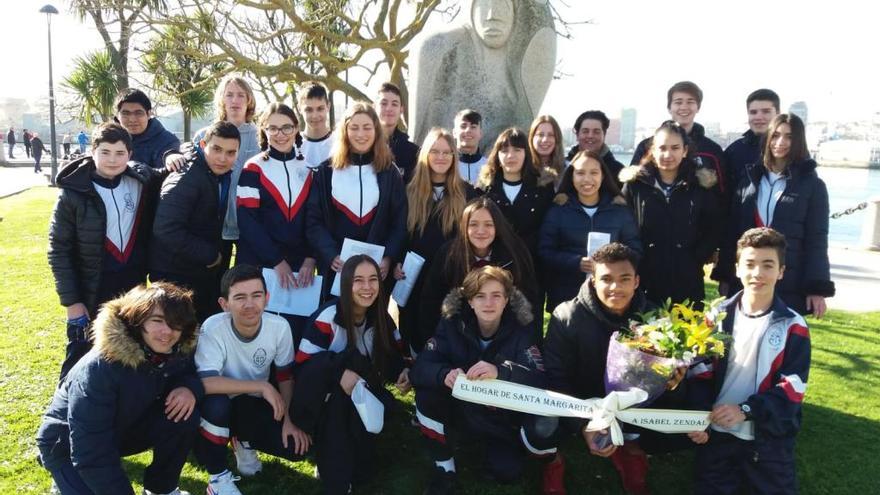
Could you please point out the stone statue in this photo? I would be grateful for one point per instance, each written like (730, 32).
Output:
(499, 62)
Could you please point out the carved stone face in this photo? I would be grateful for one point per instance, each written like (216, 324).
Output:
(493, 21)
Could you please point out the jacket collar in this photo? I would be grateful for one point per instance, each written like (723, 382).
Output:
(77, 175)
(778, 310)
(588, 299)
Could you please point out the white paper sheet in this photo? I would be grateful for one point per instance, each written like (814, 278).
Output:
(351, 247)
(595, 240)
(412, 266)
(301, 301)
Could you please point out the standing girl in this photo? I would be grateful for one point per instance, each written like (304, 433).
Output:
(484, 238)
(359, 194)
(436, 197)
(588, 201)
(545, 145)
(784, 192)
(677, 215)
(272, 193)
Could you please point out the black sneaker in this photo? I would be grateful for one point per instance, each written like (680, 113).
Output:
(442, 482)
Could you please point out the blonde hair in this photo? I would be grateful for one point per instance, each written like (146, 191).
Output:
(419, 191)
(477, 278)
(341, 156)
(220, 92)
(557, 158)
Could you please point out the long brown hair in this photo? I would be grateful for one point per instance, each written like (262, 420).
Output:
(557, 158)
(377, 313)
(492, 170)
(458, 264)
(220, 92)
(341, 157)
(798, 151)
(419, 191)
(608, 185)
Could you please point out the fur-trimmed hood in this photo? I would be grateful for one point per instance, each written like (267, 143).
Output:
(546, 177)
(114, 343)
(518, 305)
(705, 177)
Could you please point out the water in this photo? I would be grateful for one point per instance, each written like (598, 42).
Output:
(847, 187)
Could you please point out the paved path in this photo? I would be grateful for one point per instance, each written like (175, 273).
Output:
(16, 179)
(856, 274)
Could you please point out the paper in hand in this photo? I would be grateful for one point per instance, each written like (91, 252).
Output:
(302, 301)
(351, 247)
(412, 266)
(595, 240)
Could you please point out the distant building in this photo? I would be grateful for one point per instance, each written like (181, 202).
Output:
(628, 128)
(613, 134)
(799, 108)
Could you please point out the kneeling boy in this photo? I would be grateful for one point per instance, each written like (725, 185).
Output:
(756, 390)
(235, 351)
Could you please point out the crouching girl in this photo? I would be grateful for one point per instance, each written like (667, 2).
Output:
(344, 360)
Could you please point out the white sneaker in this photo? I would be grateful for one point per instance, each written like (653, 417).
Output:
(246, 459)
(223, 484)
(176, 491)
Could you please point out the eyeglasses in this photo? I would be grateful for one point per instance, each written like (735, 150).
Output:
(444, 154)
(138, 114)
(287, 130)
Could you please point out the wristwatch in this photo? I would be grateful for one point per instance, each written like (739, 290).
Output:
(746, 410)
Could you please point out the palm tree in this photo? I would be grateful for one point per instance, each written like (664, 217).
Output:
(94, 85)
(177, 72)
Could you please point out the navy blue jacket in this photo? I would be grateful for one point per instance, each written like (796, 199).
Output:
(271, 215)
(801, 215)
(563, 241)
(679, 235)
(325, 225)
(456, 344)
(102, 399)
(406, 153)
(189, 220)
(784, 354)
(741, 153)
(150, 146)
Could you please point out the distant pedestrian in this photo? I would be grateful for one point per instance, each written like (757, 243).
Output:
(26, 137)
(10, 139)
(83, 141)
(65, 141)
(38, 149)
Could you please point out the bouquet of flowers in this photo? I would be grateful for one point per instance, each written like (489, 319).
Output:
(646, 354)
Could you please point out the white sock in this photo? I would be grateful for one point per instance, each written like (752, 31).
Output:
(215, 477)
(448, 465)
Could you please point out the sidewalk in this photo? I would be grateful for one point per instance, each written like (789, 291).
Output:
(16, 178)
(856, 275)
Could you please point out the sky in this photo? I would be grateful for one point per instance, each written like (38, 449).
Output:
(819, 52)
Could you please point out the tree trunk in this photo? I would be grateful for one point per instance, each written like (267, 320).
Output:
(187, 125)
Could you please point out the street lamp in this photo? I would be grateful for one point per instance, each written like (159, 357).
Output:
(49, 9)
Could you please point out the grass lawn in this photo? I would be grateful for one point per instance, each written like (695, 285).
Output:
(837, 450)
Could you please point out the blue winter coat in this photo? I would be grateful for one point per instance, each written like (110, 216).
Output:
(102, 399)
(562, 241)
(513, 351)
(801, 215)
(150, 146)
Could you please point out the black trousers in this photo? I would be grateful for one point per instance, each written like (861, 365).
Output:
(246, 417)
(170, 441)
(509, 437)
(727, 464)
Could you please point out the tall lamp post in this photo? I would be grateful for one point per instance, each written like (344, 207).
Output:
(49, 9)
